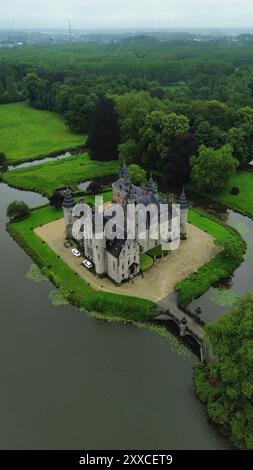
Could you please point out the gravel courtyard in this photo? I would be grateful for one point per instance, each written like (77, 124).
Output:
(159, 281)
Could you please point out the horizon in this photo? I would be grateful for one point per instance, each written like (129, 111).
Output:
(126, 14)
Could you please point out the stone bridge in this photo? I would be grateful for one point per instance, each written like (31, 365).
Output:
(168, 309)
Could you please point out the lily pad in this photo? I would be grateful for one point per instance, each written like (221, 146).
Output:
(57, 298)
(34, 274)
(224, 297)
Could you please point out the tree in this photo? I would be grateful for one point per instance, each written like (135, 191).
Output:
(237, 139)
(132, 108)
(177, 165)
(79, 114)
(212, 168)
(94, 188)
(128, 152)
(211, 136)
(32, 83)
(56, 200)
(11, 89)
(227, 383)
(104, 136)
(3, 159)
(18, 210)
(158, 133)
(137, 174)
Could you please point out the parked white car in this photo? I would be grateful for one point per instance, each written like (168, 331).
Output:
(87, 264)
(76, 253)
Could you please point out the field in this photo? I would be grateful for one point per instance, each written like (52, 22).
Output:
(243, 202)
(71, 285)
(27, 133)
(70, 171)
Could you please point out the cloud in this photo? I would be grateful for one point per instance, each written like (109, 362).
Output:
(125, 13)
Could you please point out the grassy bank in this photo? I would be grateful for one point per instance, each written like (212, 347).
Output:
(47, 177)
(27, 133)
(243, 202)
(218, 268)
(74, 289)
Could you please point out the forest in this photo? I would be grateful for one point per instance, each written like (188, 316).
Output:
(170, 106)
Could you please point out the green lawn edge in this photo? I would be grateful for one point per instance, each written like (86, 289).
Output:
(72, 287)
(219, 267)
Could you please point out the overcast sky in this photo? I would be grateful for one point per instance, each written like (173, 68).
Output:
(126, 13)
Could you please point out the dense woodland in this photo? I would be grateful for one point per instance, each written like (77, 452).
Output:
(170, 100)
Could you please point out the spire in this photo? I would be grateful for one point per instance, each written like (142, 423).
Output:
(182, 201)
(68, 202)
(123, 173)
(152, 187)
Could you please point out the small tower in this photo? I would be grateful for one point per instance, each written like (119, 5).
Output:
(124, 174)
(151, 186)
(67, 206)
(184, 209)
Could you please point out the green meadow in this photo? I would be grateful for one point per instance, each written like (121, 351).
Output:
(46, 177)
(27, 133)
(243, 202)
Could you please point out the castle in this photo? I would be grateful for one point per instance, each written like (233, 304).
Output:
(120, 259)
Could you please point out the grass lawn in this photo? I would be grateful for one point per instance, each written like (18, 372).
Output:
(157, 251)
(244, 201)
(146, 262)
(27, 133)
(71, 285)
(70, 171)
(218, 268)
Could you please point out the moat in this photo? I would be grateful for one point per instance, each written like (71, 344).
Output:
(70, 381)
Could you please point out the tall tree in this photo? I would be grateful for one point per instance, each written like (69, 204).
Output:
(104, 136)
(177, 165)
(226, 385)
(212, 168)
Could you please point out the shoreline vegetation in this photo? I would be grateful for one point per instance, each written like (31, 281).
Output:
(70, 171)
(29, 134)
(76, 150)
(218, 268)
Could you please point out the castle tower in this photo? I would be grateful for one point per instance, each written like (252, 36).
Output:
(124, 174)
(151, 185)
(67, 206)
(184, 209)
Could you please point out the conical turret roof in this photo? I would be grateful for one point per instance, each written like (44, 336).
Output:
(68, 202)
(151, 185)
(123, 171)
(182, 201)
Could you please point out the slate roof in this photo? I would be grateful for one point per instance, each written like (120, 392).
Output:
(182, 201)
(68, 202)
(123, 173)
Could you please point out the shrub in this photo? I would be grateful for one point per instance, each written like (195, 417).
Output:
(235, 191)
(17, 210)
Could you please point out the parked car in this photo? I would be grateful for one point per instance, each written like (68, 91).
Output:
(76, 253)
(87, 264)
